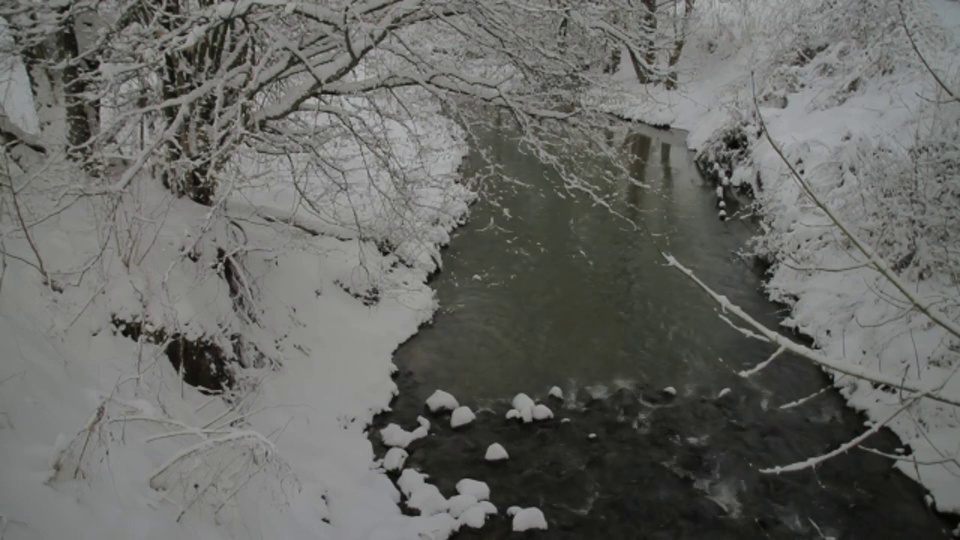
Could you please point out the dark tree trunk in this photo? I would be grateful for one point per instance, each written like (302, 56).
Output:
(79, 129)
(644, 69)
(197, 154)
(680, 39)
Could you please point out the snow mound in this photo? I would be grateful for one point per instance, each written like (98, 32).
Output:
(556, 392)
(542, 412)
(496, 452)
(394, 459)
(436, 527)
(428, 500)
(396, 436)
(488, 507)
(461, 416)
(478, 489)
(522, 401)
(441, 401)
(410, 480)
(513, 414)
(670, 390)
(524, 406)
(513, 510)
(474, 518)
(528, 519)
(723, 392)
(461, 503)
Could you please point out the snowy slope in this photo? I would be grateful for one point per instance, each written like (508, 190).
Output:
(99, 438)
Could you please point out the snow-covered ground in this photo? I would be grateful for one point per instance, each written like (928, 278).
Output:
(99, 438)
(846, 97)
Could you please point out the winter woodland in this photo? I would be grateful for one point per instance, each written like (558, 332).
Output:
(218, 219)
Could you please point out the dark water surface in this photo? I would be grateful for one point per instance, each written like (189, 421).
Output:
(543, 288)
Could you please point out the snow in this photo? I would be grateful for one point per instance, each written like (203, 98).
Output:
(394, 459)
(88, 417)
(670, 390)
(527, 519)
(513, 414)
(410, 480)
(428, 500)
(496, 452)
(461, 416)
(396, 436)
(524, 405)
(461, 503)
(441, 401)
(542, 412)
(723, 392)
(487, 507)
(478, 489)
(522, 401)
(513, 510)
(474, 518)
(592, 436)
(556, 392)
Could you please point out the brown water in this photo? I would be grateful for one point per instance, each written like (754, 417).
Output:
(543, 287)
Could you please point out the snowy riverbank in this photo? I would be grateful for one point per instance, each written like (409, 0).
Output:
(855, 111)
(99, 438)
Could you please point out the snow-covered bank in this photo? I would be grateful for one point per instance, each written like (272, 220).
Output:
(100, 438)
(844, 94)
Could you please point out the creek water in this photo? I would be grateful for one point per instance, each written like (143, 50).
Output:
(542, 287)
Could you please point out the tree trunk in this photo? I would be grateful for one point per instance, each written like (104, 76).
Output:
(79, 132)
(680, 39)
(648, 21)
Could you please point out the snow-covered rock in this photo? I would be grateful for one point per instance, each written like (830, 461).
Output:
(488, 507)
(474, 518)
(424, 423)
(496, 452)
(461, 416)
(410, 480)
(592, 436)
(564, 420)
(542, 412)
(524, 406)
(512, 414)
(478, 489)
(394, 459)
(396, 436)
(513, 510)
(441, 401)
(556, 392)
(723, 392)
(459, 504)
(528, 519)
(670, 390)
(436, 527)
(428, 500)
(522, 401)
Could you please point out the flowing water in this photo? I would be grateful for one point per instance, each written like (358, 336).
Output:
(544, 288)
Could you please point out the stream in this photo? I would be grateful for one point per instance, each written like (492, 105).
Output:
(541, 288)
